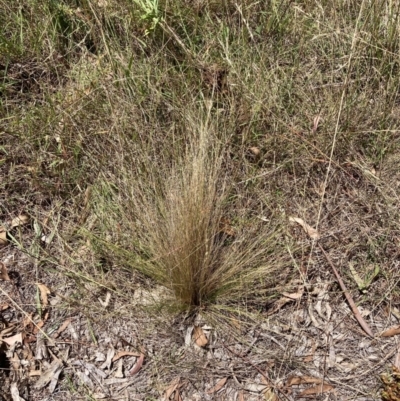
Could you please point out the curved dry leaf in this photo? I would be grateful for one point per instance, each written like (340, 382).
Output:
(38, 326)
(218, 386)
(62, 328)
(105, 303)
(255, 387)
(316, 121)
(124, 353)
(44, 291)
(391, 332)
(19, 221)
(137, 367)
(3, 272)
(50, 375)
(256, 151)
(269, 395)
(171, 388)
(3, 237)
(319, 389)
(12, 340)
(295, 295)
(312, 232)
(199, 337)
(15, 392)
(296, 380)
(178, 396)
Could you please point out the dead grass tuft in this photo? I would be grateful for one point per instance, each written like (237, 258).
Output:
(179, 211)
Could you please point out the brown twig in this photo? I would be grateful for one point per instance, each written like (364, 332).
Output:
(352, 304)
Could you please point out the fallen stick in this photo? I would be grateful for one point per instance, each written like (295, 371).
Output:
(352, 304)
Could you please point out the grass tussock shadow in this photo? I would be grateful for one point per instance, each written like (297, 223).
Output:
(180, 225)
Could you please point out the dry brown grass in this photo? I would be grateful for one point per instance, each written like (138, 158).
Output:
(180, 210)
(157, 118)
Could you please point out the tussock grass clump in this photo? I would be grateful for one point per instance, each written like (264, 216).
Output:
(177, 212)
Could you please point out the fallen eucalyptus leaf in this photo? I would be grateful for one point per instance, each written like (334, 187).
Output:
(120, 354)
(3, 237)
(312, 232)
(3, 272)
(218, 386)
(171, 388)
(15, 392)
(137, 366)
(391, 332)
(199, 337)
(44, 291)
(318, 389)
(12, 340)
(296, 380)
(19, 221)
(50, 375)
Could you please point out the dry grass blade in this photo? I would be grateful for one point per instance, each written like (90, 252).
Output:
(353, 306)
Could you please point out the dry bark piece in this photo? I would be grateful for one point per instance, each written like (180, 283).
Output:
(218, 386)
(312, 232)
(3, 271)
(199, 337)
